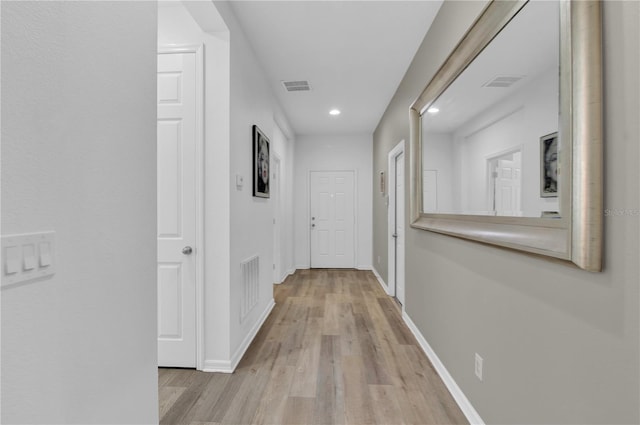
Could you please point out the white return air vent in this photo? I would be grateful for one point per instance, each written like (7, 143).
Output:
(503, 81)
(300, 85)
(250, 277)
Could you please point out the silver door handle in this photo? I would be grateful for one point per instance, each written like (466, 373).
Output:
(187, 250)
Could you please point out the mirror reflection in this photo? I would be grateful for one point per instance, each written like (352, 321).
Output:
(490, 140)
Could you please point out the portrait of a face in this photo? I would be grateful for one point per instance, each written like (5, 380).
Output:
(549, 166)
(261, 164)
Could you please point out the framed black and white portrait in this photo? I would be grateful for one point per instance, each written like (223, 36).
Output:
(260, 164)
(549, 165)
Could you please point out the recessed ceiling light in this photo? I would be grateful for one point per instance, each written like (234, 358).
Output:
(334, 112)
(433, 110)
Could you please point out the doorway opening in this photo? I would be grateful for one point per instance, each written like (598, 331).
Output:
(505, 183)
(396, 223)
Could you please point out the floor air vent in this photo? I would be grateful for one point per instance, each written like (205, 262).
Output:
(250, 275)
(296, 85)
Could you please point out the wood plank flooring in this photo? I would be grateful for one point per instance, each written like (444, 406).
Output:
(333, 351)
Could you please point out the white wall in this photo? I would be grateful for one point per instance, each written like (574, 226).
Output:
(327, 153)
(176, 26)
(251, 220)
(237, 225)
(78, 157)
(439, 157)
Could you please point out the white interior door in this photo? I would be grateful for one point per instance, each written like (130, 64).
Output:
(399, 227)
(176, 209)
(332, 219)
(508, 185)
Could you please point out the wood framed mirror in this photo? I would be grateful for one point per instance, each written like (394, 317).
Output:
(506, 139)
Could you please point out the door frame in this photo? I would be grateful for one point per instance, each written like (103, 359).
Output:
(198, 51)
(277, 213)
(398, 150)
(355, 211)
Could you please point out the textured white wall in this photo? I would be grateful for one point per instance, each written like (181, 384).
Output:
(78, 157)
(339, 153)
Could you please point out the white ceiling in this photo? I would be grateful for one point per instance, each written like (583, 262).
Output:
(353, 53)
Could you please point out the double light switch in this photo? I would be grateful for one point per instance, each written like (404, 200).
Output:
(27, 256)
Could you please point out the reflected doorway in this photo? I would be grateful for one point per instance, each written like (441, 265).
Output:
(505, 184)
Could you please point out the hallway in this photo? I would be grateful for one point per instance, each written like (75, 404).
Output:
(333, 351)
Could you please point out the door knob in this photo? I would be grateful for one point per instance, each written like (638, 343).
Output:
(395, 235)
(313, 225)
(187, 250)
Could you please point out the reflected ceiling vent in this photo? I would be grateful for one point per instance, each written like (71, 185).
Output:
(296, 85)
(503, 81)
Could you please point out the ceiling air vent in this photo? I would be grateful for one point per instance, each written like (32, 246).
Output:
(503, 81)
(296, 85)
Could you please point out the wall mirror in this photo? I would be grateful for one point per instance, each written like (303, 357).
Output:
(506, 139)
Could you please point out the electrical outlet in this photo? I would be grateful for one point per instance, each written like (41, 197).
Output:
(478, 366)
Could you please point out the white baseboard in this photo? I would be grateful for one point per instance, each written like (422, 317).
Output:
(303, 267)
(384, 285)
(463, 402)
(286, 275)
(364, 268)
(220, 366)
(228, 366)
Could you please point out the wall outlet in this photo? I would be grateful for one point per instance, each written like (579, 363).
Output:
(478, 366)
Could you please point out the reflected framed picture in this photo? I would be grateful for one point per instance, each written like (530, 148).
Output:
(549, 166)
(260, 164)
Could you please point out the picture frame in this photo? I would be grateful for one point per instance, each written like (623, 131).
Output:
(261, 164)
(549, 166)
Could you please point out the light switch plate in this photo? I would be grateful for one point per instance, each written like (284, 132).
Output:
(27, 256)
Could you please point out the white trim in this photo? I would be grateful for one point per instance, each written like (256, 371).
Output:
(384, 285)
(229, 366)
(277, 216)
(363, 268)
(391, 216)
(198, 51)
(356, 222)
(220, 366)
(244, 345)
(285, 275)
(463, 402)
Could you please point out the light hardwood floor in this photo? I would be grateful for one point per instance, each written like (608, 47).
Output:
(333, 351)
